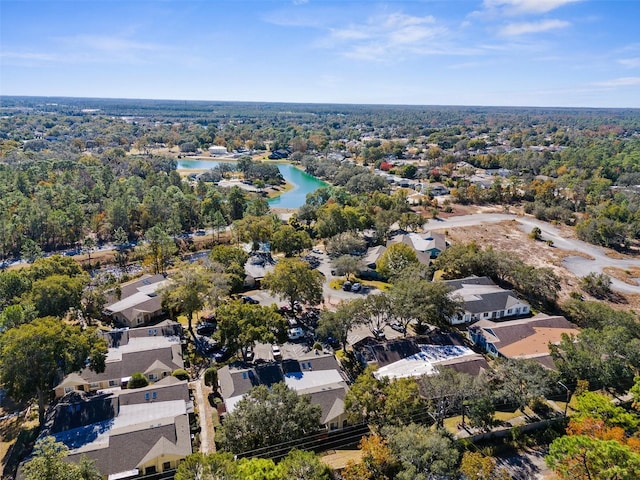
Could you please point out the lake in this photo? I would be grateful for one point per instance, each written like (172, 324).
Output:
(302, 182)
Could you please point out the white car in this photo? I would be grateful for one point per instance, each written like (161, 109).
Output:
(275, 350)
(295, 333)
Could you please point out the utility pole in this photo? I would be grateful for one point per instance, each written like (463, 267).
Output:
(566, 405)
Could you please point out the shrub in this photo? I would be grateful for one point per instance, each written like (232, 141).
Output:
(180, 374)
(211, 377)
(137, 380)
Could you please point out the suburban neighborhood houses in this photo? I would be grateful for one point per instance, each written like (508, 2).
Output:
(329, 293)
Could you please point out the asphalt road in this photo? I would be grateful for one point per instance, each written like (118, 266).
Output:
(578, 265)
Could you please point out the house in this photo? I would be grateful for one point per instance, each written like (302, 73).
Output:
(317, 376)
(437, 190)
(483, 299)
(430, 243)
(522, 338)
(436, 243)
(217, 150)
(255, 268)
(416, 242)
(124, 440)
(143, 350)
(371, 258)
(417, 356)
(138, 302)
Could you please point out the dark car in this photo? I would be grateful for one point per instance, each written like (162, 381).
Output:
(247, 299)
(206, 328)
(346, 286)
(222, 354)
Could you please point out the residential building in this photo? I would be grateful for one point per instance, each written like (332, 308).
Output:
(429, 244)
(522, 338)
(124, 440)
(138, 302)
(154, 351)
(483, 299)
(317, 376)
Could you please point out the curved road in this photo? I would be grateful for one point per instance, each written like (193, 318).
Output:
(574, 263)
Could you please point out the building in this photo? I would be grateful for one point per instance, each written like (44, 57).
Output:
(522, 338)
(418, 356)
(138, 303)
(125, 439)
(258, 264)
(317, 376)
(429, 243)
(155, 352)
(483, 299)
(217, 150)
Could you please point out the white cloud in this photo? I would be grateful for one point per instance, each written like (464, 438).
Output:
(630, 62)
(620, 82)
(523, 28)
(300, 2)
(515, 7)
(388, 36)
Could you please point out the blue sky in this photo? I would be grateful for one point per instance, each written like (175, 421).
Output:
(485, 52)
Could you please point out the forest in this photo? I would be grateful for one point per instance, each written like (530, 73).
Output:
(77, 168)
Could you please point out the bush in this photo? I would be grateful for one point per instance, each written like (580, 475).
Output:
(180, 374)
(597, 285)
(137, 380)
(211, 377)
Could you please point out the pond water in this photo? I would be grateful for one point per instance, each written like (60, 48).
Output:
(302, 182)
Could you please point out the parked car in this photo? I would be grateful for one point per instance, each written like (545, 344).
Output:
(356, 287)
(222, 354)
(397, 327)
(378, 334)
(295, 333)
(277, 354)
(205, 328)
(292, 322)
(251, 300)
(346, 286)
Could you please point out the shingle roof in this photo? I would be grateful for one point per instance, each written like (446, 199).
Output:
(526, 337)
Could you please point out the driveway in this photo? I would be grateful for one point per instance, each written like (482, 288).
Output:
(578, 265)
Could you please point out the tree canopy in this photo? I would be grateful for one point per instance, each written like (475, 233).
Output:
(36, 355)
(295, 280)
(266, 417)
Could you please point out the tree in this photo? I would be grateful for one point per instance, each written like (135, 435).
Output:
(290, 241)
(241, 324)
(579, 457)
(266, 417)
(88, 245)
(347, 265)
(520, 381)
(596, 406)
(56, 294)
(294, 280)
(373, 311)
(423, 301)
(423, 453)
(302, 465)
(15, 315)
(256, 230)
(35, 355)
(395, 259)
(597, 285)
(193, 287)
(48, 463)
(377, 461)
(161, 248)
(337, 324)
(12, 286)
(197, 466)
(347, 243)
(445, 392)
(476, 466)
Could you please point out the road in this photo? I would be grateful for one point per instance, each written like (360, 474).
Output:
(578, 265)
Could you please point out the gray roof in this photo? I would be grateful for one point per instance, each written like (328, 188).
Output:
(121, 336)
(166, 389)
(137, 361)
(480, 294)
(138, 296)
